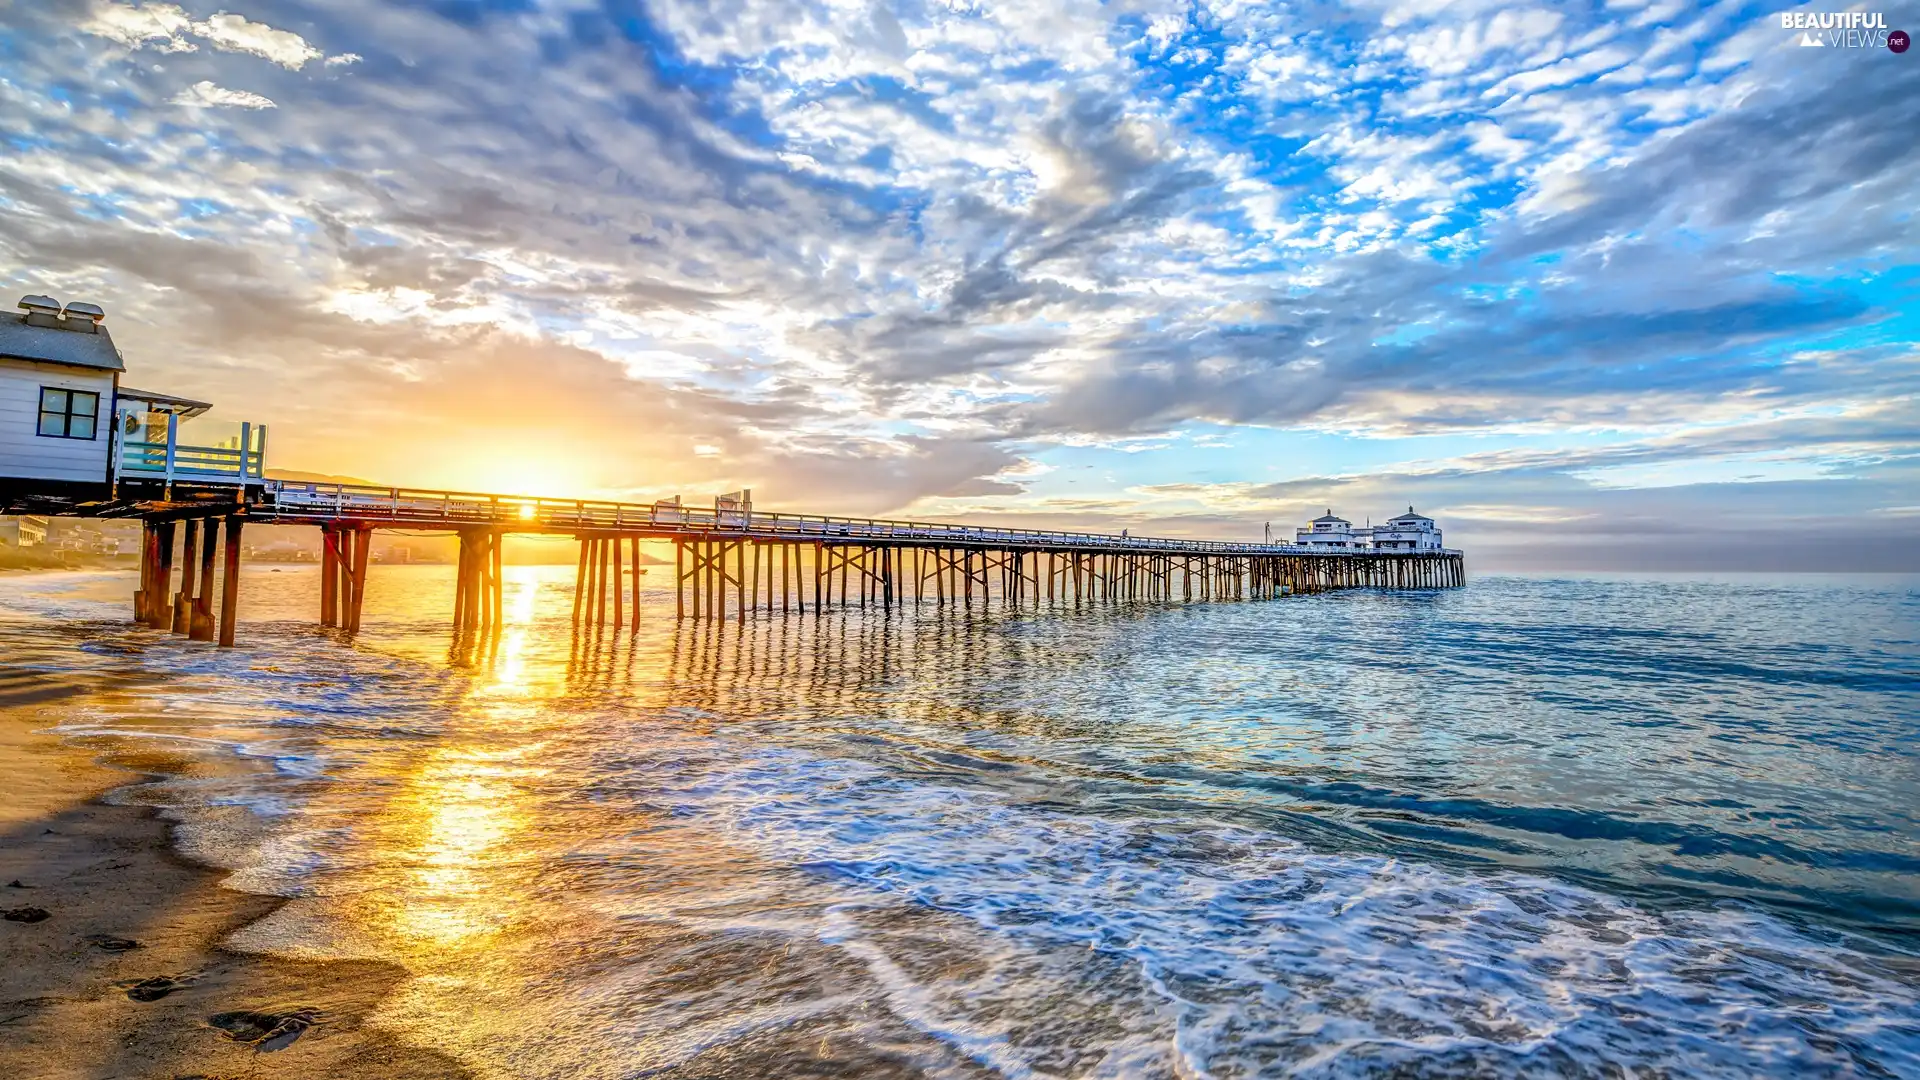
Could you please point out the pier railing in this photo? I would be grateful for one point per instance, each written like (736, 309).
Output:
(413, 507)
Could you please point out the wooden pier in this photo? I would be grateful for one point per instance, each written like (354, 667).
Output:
(733, 563)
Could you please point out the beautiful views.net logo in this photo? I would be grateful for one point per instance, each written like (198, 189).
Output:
(1845, 30)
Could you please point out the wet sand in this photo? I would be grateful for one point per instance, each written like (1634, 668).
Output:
(108, 871)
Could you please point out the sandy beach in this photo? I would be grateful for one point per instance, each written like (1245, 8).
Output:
(105, 875)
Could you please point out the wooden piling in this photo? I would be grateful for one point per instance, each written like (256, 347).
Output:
(362, 538)
(460, 564)
(189, 555)
(619, 583)
(580, 577)
(200, 619)
(159, 609)
(146, 573)
(230, 583)
(496, 541)
(636, 586)
(329, 576)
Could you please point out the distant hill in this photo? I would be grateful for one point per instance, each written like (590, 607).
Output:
(299, 477)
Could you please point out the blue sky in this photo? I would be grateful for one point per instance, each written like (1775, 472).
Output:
(1594, 284)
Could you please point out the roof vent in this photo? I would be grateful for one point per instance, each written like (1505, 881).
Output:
(42, 311)
(96, 314)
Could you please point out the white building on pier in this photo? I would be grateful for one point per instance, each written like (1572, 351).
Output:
(1407, 532)
(1331, 533)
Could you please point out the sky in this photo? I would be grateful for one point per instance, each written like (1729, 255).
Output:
(1596, 285)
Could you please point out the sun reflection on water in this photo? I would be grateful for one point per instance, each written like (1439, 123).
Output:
(458, 811)
(461, 807)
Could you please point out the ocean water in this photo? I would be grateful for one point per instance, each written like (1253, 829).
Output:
(1534, 827)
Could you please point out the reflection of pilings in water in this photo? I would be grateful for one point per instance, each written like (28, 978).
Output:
(472, 648)
(854, 662)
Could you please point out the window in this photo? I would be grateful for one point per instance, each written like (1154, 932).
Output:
(68, 414)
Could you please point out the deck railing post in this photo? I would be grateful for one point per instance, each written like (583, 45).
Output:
(173, 438)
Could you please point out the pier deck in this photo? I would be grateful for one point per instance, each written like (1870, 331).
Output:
(287, 502)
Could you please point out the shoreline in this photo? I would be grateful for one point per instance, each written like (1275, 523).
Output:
(98, 868)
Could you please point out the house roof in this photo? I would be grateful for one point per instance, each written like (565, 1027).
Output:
(1331, 516)
(1411, 516)
(52, 345)
(165, 402)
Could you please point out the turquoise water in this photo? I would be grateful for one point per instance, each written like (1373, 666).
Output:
(1537, 826)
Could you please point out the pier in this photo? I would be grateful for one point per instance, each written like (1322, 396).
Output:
(730, 562)
(76, 441)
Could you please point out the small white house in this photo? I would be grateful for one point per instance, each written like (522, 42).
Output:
(69, 432)
(1329, 533)
(58, 373)
(1407, 532)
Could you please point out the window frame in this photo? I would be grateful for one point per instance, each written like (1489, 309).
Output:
(67, 415)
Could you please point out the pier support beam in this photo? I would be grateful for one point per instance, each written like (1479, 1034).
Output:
(477, 592)
(200, 618)
(329, 575)
(183, 601)
(360, 545)
(159, 610)
(230, 583)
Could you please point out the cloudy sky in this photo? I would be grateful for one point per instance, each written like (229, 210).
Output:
(1596, 284)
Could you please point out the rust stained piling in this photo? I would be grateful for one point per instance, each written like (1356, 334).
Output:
(159, 613)
(200, 618)
(579, 578)
(362, 550)
(619, 583)
(329, 575)
(636, 585)
(189, 555)
(230, 583)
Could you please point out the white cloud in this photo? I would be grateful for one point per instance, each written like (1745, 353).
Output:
(138, 26)
(343, 59)
(233, 33)
(205, 95)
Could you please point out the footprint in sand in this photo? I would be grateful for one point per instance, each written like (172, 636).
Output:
(266, 1031)
(159, 986)
(27, 914)
(109, 943)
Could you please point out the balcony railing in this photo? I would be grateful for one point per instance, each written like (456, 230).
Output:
(238, 461)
